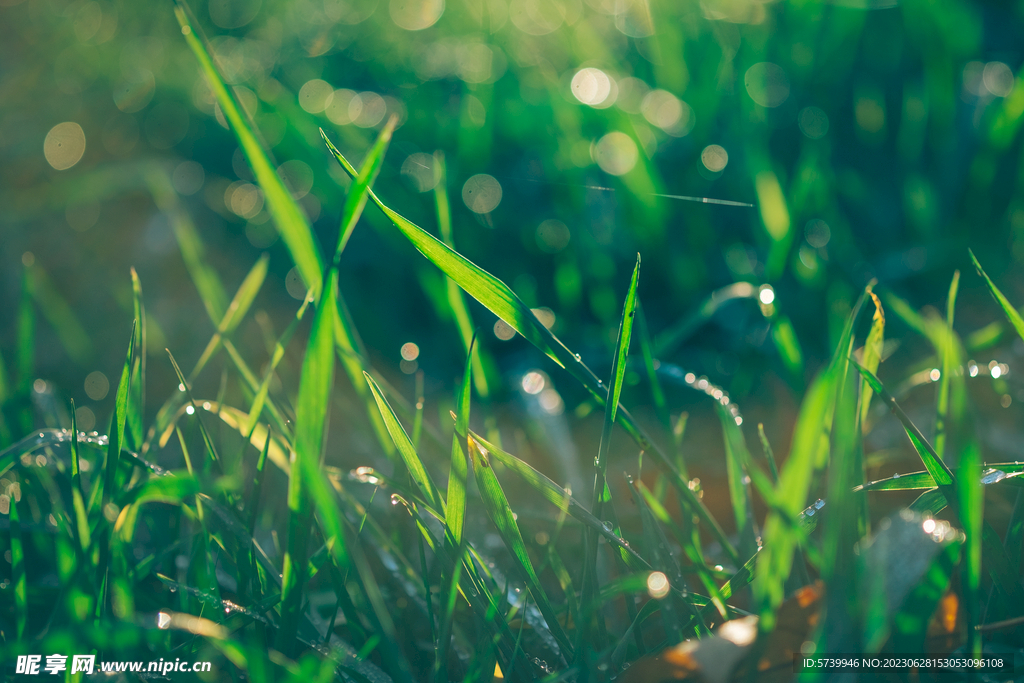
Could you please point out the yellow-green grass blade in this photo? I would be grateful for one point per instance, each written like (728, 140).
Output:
(950, 360)
(236, 310)
(137, 402)
(26, 341)
(116, 434)
(788, 345)
(405, 448)
(1011, 313)
(356, 199)
(193, 253)
(458, 473)
(18, 569)
(622, 347)
(500, 513)
(500, 300)
(872, 354)
(311, 412)
(291, 223)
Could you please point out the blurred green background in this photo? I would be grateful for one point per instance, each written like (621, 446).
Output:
(869, 140)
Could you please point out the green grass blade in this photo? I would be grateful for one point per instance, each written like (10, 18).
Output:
(405, 448)
(657, 392)
(137, 403)
(736, 457)
(236, 311)
(456, 299)
(26, 339)
(872, 354)
(900, 482)
(1011, 313)
(497, 297)
(207, 441)
(769, 454)
(499, 512)
(780, 539)
(458, 473)
(117, 423)
(950, 361)
(936, 467)
(77, 492)
(311, 413)
(291, 222)
(971, 496)
(356, 199)
(622, 346)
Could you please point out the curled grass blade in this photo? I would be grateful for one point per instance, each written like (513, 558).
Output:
(291, 222)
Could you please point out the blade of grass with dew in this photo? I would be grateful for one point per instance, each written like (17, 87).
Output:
(211, 450)
(971, 497)
(456, 300)
(657, 546)
(405, 448)
(602, 494)
(356, 199)
(780, 540)
(77, 492)
(137, 403)
(736, 457)
(993, 553)
(939, 471)
(311, 413)
(497, 508)
(291, 223)
(500, 300)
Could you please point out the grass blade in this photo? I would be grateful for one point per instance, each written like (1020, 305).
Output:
(356, 199)
(497, 297)
(499, 512)
(458, 473)
(950, 360)
(311, 413)
(971, 497)
(117, 423)
(1011, 313)
(291, 222)
(137, 403)
(275, 358)
(872, 354)
(405, 448)
(736, 457)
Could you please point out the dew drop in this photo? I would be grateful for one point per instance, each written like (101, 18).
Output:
(896, 476)
(607, 526)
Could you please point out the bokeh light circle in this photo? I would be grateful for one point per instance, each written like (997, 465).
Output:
(415, 15)
(64, 145)
(481, 193)
(616, 153)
